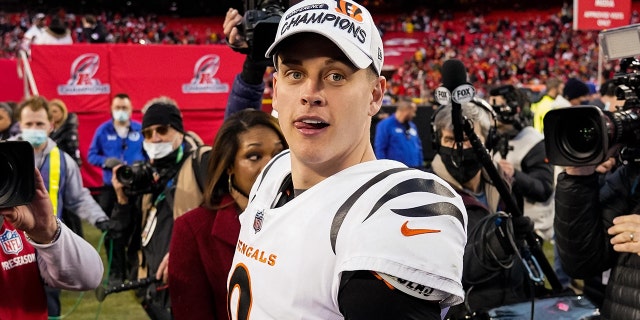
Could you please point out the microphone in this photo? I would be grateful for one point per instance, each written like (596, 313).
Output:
(102, 292)
(455, 90)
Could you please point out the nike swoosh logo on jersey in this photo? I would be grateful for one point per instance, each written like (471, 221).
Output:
(408, 232)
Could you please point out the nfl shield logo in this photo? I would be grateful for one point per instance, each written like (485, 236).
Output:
(257, 222)
(11, 242)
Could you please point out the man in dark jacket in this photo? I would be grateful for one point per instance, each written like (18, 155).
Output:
(488, 281)
(93, 31)
(152, 200)
(597, 228)
(521, 154)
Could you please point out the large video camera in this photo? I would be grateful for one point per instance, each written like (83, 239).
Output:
(136, 178)
(260, 24)
(584, 135)
(17, 182)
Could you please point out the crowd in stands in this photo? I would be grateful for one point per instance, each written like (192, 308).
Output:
(522, 48)
(113, 28)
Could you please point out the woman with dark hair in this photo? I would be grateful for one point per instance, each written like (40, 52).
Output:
(203, 240)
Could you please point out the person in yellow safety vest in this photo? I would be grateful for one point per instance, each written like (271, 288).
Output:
(60, 173)
(541, 107)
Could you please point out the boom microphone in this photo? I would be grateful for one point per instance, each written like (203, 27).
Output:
(455, 90)
(102, 292)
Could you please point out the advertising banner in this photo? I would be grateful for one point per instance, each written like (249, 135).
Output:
(600, 14)
(197, 77)
(87, 76)
(77, 74)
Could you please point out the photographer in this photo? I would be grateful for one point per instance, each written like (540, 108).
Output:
(521, 154)
(153, 194)
(597, 229)
(248, 86)
(60, 172)
(38, 249)
(487, 282)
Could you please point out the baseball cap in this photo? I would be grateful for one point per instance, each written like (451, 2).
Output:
(348, 24)
(39, 15)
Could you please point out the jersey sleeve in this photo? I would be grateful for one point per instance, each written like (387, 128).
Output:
(409, 226)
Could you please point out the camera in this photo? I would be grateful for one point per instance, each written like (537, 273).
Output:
(260, 24)
(17, 182)
(136, 178)
(582, 135)
(515, 107)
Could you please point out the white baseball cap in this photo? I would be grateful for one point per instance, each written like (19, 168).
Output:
(346, 23)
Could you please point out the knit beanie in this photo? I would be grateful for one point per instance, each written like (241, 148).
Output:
(575, 88)
(163, 114)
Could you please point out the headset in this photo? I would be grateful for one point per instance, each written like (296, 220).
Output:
(492, 137)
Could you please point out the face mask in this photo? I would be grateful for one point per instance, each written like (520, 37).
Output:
(120, 115)
(34, 136)
(464, 171)
(157, 150)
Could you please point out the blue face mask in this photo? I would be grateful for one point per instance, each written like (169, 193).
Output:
(120, 115)
(36, 137)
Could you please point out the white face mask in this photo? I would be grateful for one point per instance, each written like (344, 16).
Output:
(120, 115)
(157, 150)
(36, 137)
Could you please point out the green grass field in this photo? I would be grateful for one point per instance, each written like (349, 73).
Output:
(116, 306)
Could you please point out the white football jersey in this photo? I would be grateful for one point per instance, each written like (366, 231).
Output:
(378, 215)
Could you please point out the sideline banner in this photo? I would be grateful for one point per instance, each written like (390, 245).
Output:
(11, 88)
(600, 14)
(87, 76)
(77, 74)
(197, 77)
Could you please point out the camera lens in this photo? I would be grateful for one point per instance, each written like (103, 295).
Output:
(125, 175)
(581, 138)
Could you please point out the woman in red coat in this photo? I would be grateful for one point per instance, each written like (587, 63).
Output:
(204, 239)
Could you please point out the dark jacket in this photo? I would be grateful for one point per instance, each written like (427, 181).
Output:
(243, 96)
(202, 248)
(153, 231)
(485, 283)
(66, 137)
(94, 34)
(584, 212)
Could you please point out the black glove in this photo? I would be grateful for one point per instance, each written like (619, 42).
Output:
(522, 226)
(111, 227)
(110, 163)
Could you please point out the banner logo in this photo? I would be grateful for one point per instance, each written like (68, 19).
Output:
(83, 69)
(203, 77)
(11, 242)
